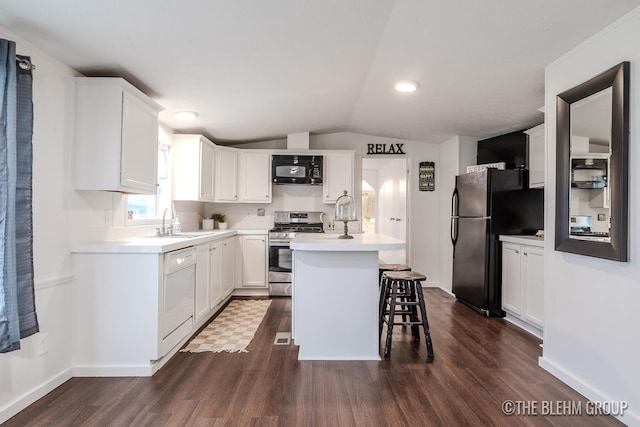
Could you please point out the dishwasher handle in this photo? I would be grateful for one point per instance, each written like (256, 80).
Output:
(179, 260)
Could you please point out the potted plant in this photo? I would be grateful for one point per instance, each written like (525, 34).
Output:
(220, 220)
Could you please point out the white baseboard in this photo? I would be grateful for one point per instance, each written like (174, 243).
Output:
(630, 416)
(114, 370)
(31, 396)
(250, 292)
(532, 329)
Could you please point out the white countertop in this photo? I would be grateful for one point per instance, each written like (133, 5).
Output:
(153, 244)
(359, 243)
(524, 240)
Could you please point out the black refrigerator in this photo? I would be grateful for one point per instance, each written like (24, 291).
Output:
(484, 205)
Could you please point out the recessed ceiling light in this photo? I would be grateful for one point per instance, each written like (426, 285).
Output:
(406, 85)
(185, 115)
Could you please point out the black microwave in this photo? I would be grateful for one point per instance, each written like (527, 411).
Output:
(296, 169)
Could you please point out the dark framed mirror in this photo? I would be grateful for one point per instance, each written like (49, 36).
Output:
(592, 137)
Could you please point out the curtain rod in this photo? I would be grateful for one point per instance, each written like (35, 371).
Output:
(25, 64)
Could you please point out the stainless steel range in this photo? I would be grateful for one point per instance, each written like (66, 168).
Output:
(287, 225)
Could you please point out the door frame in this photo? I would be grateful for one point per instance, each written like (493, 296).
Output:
(407, 201)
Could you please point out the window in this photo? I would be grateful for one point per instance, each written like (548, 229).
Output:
(151, 207)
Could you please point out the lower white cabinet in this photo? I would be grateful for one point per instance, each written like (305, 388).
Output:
(228, 266)
(254, 258)
(523, 282)
(119, 325)
(214, 276)
(202, 291)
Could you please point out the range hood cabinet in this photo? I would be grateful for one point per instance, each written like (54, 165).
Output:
(589, 172)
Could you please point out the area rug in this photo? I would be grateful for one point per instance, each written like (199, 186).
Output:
(232, 330)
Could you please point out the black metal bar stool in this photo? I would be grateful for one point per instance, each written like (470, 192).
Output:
(403, 289)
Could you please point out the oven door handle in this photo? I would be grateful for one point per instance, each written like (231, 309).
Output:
(279, 243)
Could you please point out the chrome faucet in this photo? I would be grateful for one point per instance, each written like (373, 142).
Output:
(166, 231)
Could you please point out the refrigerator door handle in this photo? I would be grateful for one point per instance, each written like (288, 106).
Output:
(454, 233)
(454, 219)
(455, 202)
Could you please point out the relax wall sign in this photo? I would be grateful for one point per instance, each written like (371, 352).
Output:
(385, 149)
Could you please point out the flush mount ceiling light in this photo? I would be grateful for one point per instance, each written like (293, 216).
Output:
(185, 115)
(406, 85)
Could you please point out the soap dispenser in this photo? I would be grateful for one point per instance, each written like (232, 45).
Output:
(176, 226)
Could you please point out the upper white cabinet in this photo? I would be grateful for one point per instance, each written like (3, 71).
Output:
(193, 168)
(536, 156)
(116, 137)
(337, 176)
(226, 174)
(255, 176)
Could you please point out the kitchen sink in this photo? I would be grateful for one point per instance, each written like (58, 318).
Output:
(173, 236)
(187, 234)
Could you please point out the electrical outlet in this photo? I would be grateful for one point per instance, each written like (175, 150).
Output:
(107, 216)
(260, 212)
(41, 344)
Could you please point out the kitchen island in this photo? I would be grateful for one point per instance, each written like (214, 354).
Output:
(335, 295)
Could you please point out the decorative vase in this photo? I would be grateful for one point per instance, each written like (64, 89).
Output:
(207, 224)
(222, 225)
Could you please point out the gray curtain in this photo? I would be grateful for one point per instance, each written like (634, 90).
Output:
(17, 299)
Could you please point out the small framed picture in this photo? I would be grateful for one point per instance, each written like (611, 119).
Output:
(426, 176)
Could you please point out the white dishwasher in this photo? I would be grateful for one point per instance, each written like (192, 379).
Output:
(178, 296)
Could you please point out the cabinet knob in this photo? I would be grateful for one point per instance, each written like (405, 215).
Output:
(517, 252)
(525, 253)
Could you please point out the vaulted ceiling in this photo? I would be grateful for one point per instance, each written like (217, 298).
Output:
(263, 69)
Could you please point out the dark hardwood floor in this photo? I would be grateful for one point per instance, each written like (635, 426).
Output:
(479, 363)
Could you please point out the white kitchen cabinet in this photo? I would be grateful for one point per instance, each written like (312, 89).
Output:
(536, 156)
(254, 258)
(255, 176)
(226, 174)
(337, 175)
(220, 264)
(511, 278)
(523, 281)
(228, 266)
(599, 197)
(217, 267)
(118, 318)
(193, 168)
(533, 285)
(116, 137)
(203, 279)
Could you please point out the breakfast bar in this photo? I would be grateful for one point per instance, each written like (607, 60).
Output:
(335, 295)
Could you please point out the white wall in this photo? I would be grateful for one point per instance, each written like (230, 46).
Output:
(455, 155)
(591, 338)
(62, 217)
(25, 377)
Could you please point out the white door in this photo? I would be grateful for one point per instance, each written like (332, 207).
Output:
(391, 203)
